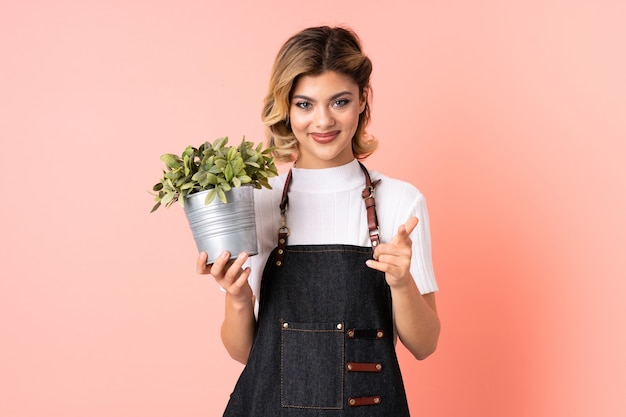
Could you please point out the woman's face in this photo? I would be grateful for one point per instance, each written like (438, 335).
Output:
(324, 115)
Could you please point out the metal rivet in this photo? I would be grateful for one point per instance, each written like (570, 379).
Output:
(282, 240)
(285, 325)
(379, 367)
(351, 333)
(278, 263)
(380, 334)
(339, 326)
(349, 367)
(376, 400)
(280, 251)
(352, 401)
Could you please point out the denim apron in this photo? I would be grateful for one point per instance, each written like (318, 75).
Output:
(324, 342)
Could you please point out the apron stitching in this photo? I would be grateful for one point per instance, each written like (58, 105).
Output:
(323, 250)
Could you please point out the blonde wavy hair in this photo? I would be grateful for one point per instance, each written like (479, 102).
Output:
(311, 52)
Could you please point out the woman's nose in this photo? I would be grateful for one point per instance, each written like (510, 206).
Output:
(323, 117)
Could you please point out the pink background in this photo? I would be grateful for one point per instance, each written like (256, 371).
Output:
(509, 115)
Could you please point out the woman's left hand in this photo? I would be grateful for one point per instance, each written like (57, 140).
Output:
(394, 258)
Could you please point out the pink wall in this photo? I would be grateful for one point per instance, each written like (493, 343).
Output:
(510, 116)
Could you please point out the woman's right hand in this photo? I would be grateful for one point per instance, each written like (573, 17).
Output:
(230, 275)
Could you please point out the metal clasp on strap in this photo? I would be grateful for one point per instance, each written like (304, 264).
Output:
(368, 192)
(283, 230)
(375, 236)
(283, 233)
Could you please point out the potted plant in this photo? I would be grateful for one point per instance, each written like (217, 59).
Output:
(214, 183)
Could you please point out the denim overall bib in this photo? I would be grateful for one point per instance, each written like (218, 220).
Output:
(324, 342)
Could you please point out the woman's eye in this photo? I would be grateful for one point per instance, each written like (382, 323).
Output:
(303, 105)
(340, 103)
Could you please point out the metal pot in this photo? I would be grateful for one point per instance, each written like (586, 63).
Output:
(218, 226)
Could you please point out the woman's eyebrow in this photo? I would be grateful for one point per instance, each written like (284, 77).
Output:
(333, 97)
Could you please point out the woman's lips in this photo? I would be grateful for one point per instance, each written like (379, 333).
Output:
(324, 137)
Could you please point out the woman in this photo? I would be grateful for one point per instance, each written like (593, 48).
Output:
(336, 245)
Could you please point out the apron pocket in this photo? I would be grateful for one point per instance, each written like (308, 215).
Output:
(311, 365)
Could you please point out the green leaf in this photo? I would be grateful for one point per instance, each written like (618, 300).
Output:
(173, 175)
(186, 163)
(210, 196)
(232, 154)
(208, 162)
(243, 147)
(221, 195)
(220, 163)
(264, 183)
(219, 143)
(236, 182)
(199, 176)
(171, 161)
(182, 180)
(205, 147)
(228, 172)
(167, 198)
(189, 151)
(211, 178)
(238, 164)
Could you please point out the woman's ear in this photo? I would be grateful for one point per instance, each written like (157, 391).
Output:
(363, 100)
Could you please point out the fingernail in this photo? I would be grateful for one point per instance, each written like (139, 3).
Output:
(224, 255)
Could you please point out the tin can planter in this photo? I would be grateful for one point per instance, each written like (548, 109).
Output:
(222, 226)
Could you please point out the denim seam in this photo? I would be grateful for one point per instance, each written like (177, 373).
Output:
(323, 251)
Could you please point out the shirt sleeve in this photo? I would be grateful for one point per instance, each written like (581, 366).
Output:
(422, 264)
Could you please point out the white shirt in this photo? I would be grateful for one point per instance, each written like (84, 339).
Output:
(326, 207)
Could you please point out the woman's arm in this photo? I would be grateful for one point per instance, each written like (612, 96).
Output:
(239, 321)
(415, 315)
(416, 319)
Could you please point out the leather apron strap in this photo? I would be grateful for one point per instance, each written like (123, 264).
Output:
(368, 199)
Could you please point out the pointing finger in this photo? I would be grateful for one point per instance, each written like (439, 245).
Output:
(405, 230)
(410, 225)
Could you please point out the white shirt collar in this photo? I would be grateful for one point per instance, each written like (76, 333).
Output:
(342, 178)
